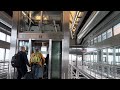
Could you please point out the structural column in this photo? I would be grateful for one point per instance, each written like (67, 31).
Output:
(65, 45)
(13, 39)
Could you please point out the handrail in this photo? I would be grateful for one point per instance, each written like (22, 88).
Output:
(4, 67)
(77, 73)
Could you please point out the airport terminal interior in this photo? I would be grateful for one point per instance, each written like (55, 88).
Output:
(80, 44)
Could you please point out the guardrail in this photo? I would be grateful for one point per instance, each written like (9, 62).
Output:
(76, 73)
(4, 69)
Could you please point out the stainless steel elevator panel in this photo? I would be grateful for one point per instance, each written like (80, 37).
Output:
(50, 51)
(13, 39)
(65, 45)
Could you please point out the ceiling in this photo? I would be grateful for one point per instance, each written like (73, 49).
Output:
(9, 13)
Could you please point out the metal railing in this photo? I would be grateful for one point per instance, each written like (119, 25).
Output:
(76, 73)
(102, 70)
(4, 69)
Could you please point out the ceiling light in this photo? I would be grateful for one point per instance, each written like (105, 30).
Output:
(45, 17)
(38, 17)
(23, 13)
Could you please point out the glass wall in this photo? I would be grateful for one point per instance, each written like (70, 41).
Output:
(110, 56)
(109, 33)
(117, 55)
(8, 38)
(2, 36)
(44, 51)
(104, 63)
(116, 29)
(99, 38)
(2, 53)
(95, 40)
(79, 60)
(7, 54)
(25, 44)
(104, 57)
(104, 36)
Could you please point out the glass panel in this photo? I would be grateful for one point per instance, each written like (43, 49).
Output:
(92, 42)
(7, 54)
(99, 38)
(70, 58)
(116, 29)
(56, 60)
(51, 21)
(2, 36)
(110, 55)
(25, 44)
(117, 55)
(2, 53)
(74, 59)
(43, 48)
(104, 36)
(104, 55)
(79, 60)
(109, 33)
(95, 40)
(95, 56)
(8, 38)
(44, 55)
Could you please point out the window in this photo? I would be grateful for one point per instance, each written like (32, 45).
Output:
(117, 55)
(44, 55)
(95, 40)
(110, 55)
(2, 36)
(99, 38)
(88, 43)
(2, 52)
(109, 33)
(79, 60)
(95, 56)
(104, 36)
(8, 38)
(70, 58)
(116, 29)
(7, 54)
(92, 42)
(104, 51)
(44, 51)
(74, 59)
(43, 48)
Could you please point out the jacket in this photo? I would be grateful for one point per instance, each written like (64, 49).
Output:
(37, 58)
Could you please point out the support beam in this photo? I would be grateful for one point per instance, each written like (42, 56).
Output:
(65, 45)
(13, 39)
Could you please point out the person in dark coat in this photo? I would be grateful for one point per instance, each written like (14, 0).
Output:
(46, 66)
(22, 69)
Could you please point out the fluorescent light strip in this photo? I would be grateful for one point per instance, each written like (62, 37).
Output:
(88, 24)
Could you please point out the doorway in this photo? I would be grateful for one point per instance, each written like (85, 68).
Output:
(43, 47)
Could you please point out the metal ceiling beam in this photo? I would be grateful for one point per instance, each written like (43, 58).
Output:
(80, 22)
(92, 21)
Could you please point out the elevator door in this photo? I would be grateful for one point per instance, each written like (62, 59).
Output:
(56, 59)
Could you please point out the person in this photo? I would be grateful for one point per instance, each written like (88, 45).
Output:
(46, 66)
(22, 69)
(37, 64)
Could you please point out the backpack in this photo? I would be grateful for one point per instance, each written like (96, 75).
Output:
(37, 58)
(15, 60)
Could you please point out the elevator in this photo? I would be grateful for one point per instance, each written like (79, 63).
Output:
(57, 42)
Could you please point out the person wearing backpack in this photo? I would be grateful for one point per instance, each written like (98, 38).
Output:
(37, 64)
(22, 62)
